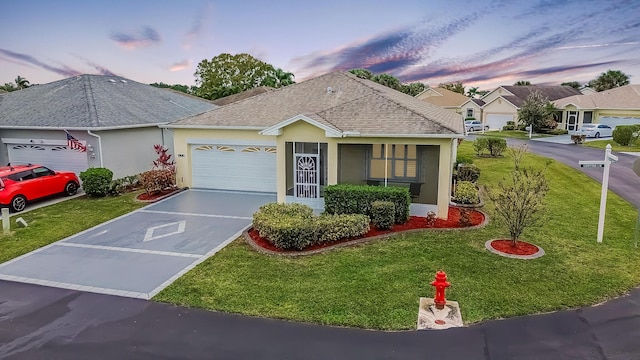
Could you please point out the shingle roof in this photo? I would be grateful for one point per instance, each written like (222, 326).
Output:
(550, 92)
(624, 97)
(448, 98)
(480, 102)
(94, 102)
(243, 95)
(341, 100)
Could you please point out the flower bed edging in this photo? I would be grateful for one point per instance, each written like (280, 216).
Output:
(540, 252)
(176, 191)
(293, 253)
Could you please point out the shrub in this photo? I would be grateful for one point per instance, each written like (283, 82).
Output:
(511, 125)
(155, 181)
(466, 193)
(383, 214)
(122, 185)
(357, 199)
(558, 132)
(468, 173)
(293, 226)
(96, 182)
(465, 217)
(522, 127)
(480, 145)
(624, 134)
(462, 159)
(496, 146)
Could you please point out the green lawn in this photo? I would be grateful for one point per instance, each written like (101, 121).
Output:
(601, 144)
(58, 221)
(516, 134)
(378, 285)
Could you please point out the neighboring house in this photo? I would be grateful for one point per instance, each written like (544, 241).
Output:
(115, 122)
(472, 109)
(617, 106)
(336, 128)
(502, 104)
(444, 98)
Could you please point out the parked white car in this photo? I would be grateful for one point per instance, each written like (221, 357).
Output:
(474, 125)
(596, 130)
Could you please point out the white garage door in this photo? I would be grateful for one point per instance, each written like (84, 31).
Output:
(615, 121)
(55, 157)
(498, 121)
(234, 167)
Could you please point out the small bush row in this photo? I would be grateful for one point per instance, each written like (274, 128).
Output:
(495, 146)
(96, 182)
(466, 193)
(626, 135)
(468, 172)
(511, 125)
(357, 199)
(383, 214)
(293, 226)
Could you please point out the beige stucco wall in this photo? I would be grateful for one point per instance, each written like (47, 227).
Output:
(495, 94)
(597, 114)
(302, 131)
(477, 110)
(182, 137)
(500, 107)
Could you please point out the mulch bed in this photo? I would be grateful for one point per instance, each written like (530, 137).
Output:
(150, 198)
(476, 217)
(522, 248)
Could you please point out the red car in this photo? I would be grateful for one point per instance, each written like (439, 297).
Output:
(22, 183)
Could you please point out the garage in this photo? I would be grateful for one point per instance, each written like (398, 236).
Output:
(53, 156)
(615, 121)
(234, 167)
(498, 121)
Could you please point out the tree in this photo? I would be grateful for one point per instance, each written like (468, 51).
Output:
(536, 110)
(9, 87)
(455, 87)
(362, 73)
(519, 201)
(522, 83)
(609, 80)
(574, 84)
(182, 88)
(413, 89)
(387, 80)
(228, 74)
(21, 83)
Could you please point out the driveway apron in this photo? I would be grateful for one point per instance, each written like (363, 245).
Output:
(139, 254)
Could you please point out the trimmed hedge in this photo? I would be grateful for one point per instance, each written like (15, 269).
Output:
(466, 193)
(383, 214)
(357, 199)
(155, 181)
(496, 146)
(623, 134)
(96, 182)
(293, 226)
(468, 173)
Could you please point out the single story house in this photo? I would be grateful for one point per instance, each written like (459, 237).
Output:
(617, 106)
(444, 98)
(332, 129)
(472, 109)
(113, 120)
(502, 104)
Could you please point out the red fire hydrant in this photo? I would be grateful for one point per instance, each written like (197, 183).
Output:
(440, 284)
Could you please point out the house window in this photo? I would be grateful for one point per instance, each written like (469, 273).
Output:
(469, 112)
(399, 162)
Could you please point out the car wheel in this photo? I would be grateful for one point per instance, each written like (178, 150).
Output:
(18, 203)
(597, 135)
(71, 188)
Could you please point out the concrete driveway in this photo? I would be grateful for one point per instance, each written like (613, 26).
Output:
(139, 254)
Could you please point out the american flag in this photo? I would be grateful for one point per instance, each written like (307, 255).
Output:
(75, 144)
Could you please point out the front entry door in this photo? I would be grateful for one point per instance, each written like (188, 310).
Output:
(572, 121)
(306, 179)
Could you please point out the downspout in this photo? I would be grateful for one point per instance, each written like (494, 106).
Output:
(99, 146)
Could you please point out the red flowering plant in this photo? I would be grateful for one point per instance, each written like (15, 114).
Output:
(163, 175)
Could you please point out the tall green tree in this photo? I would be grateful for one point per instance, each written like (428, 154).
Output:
(388, 81)
(413, 88)
(455, 87)
(475, 92)
(522, 83)
(537, 111)
(178, 87)
(228, 74)
(362, 73)
(609, 80)
(574, 84)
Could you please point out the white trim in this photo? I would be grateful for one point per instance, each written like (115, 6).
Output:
(277, 128)
(194, 141)
(37, 141)
(99, 146)
(421, 136)
(212, 127)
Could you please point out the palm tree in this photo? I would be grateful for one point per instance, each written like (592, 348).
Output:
(21, 83)
(609, 80)
(522, 83)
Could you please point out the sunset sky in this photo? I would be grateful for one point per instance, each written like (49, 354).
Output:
(481, 43)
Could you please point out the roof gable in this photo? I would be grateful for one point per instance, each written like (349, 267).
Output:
(442, 97)
(623, 97)
(94, 102)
